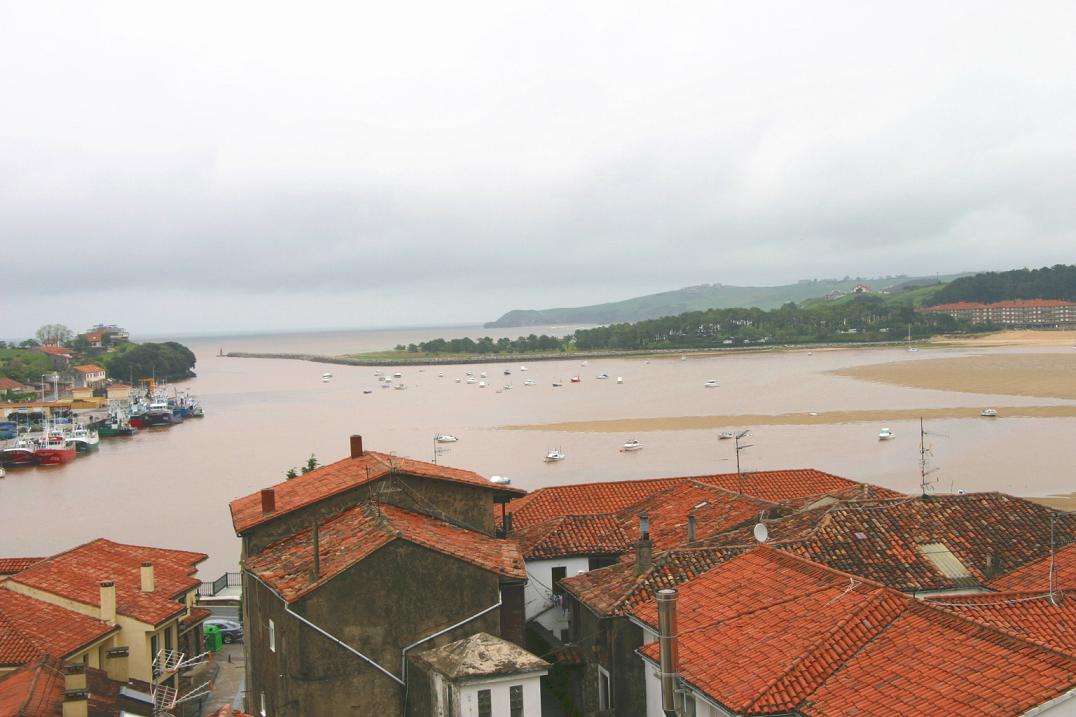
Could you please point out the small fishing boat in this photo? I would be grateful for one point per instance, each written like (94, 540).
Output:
(84, 439)
(367, 390)
(554, 455)
(445, 438)
(326, 377)
(602, 376)
(558, 384)
(529, 382)
(500, 480)
(400, 387)
(575, 379)
(725, 435)
(989, 413)
(482, 384)
(397, 375)
(23, 453)
(522, 368)
(886, 435)
(508, 372)
(620, 379)
(440, 374)
(482, 374)
(457, 380)
(472, 379)
(632, 445)
(711, 384)
(55, 449)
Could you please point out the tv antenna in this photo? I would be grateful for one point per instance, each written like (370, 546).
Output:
(740, 435)
(925, 454)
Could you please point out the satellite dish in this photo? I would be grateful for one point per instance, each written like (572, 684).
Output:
(761, 532)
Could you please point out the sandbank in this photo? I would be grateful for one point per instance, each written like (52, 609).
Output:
(1011, 338)
(681, 423)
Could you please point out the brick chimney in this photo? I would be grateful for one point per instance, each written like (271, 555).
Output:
(147, 577)
(644, 549)
(76, 694)
(356, 446)
(268, 500)
(108, 601)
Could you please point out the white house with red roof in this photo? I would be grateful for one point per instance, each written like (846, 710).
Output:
(88, 375)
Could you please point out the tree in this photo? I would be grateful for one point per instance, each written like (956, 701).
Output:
(80, 344)
(54, 334)
(29, 344)
(291, 473)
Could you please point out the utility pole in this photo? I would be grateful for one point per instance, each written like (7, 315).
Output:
(739, 476)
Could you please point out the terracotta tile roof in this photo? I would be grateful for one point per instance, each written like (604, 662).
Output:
(352, 535)
(30, 627)
(77, 574)
(617, 590)
(32, 691)
(572, 535)
(8, 566)
(929, 663)
(769, 633)
(88, 368)
(56, 351)
(614, 496)
(196, 615)
(1035, 617)
(9, 384)
(343, 475)
(1015, 304)
(1035, 576)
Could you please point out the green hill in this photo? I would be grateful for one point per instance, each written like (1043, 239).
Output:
(701, 298)
(1049, 282)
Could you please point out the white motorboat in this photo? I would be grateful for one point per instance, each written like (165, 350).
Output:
(457, 380)
(989, 413)
(554, 455)
(326, 379)
(500, 480)
(445, 438)
(725, 435)
(482, 384)
(84, 439)
(711, 384)
(440, 374)
(472, 379)
(886, 435)
(397, 375)
(529, 382)
(483, 374)
(326, 375)
(620, 379)
(522, 368)
(602, 376)
(632, 445)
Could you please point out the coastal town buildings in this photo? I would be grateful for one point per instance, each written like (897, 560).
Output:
(350, 568)
(103, 335)
(88, 376)
(1021, 313)
(105, 605)
(47, 687)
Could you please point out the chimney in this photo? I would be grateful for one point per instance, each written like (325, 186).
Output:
(76, 698)
(669, 651)
(507, 524)
(691, 529)
(147, 577)
(644, 549)
(108, 601)
(356, 446)
(268, 500)
(316, 535)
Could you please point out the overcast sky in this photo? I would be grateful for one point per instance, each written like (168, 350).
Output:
(215, 166)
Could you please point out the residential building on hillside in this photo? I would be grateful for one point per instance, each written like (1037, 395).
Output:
(88, 376)
(770, 634)
(1022, 313)
(106, 605)
(46, 687)
(565, 531)
(102, 335)
(354, 566)
(920, 546)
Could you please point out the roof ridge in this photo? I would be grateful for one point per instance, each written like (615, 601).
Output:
(808, 684)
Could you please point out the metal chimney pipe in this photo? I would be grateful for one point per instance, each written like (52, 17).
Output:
(670, 656)
(691, 529)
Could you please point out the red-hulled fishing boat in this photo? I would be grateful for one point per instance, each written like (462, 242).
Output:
(23, 453)
(56, 449)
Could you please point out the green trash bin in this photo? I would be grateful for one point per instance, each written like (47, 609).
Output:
(213, 639)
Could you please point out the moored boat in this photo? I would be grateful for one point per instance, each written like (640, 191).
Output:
(23, 453)
(115, 426)
(445, 438)
(886, 435)
(55, 449)
(85, 439)
(711, 383)
(554, 455)
(725, 435)
(989, 413)
(632, 445)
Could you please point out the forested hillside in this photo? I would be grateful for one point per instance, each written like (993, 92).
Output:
(1051, 282)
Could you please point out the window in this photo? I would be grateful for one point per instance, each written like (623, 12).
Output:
(600, 562)
(154, 645)
(603, 689)
(485, 704)
(558, 574)
(515, 701)
(168, 638)
(689, 705)
(272, 636)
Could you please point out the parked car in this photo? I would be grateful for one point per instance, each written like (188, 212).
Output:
(230, 630)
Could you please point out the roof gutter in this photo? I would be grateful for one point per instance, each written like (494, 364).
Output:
(332, 637)
(1045, 706)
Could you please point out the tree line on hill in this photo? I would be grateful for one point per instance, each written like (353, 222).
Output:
(862, 318)
(168, 361)
(1050, 282)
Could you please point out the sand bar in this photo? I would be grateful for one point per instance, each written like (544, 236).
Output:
(1011, 338)
(680, 423)
(1050, 375)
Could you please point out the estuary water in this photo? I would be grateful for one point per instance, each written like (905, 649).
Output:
(171, 487)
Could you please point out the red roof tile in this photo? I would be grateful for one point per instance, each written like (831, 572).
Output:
(35, 690)
(1015, 304)
(88, 368)
(572, 535)
(196, 615)
(343, 475)
(611, 497)
(1035, 576)
(769, 633)
(14, 565)
(9, 384)
(31, 627)
(350, 536)
(56, 351)
(928, 663)
(77, 574)
(1042, 618)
